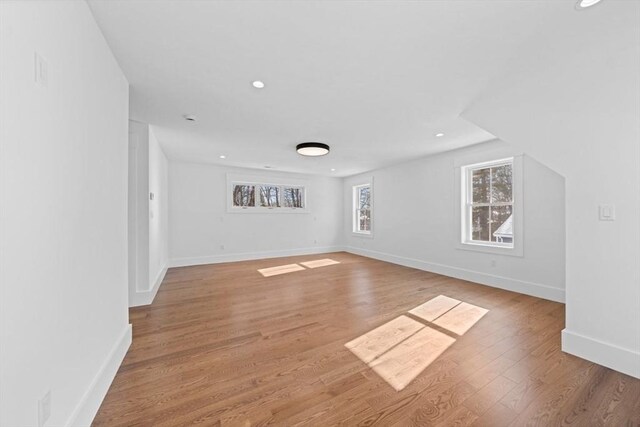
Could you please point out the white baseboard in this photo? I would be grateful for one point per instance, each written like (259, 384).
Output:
(86, 410)
(146, 297)
(247, 256)
(520, 286)
(603, 353)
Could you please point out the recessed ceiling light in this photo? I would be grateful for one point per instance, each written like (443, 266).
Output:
(223, 156)
(333, 169)
(312, 149)
(258, 84)
(439, 134)
(190, 117)
(583, 4)
(268, 167)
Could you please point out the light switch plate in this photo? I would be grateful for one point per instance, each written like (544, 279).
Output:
(607, 212)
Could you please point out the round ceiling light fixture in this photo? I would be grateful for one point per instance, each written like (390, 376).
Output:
(313, 149)
(583, 4)
(258, 84)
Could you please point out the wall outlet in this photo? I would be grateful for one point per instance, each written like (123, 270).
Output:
(222, 247)
(44, 409)
(493, 263)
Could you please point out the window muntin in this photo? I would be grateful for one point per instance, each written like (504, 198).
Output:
(488, 209)
(362, 209)
(258, 196)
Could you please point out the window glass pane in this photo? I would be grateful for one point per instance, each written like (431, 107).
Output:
(292, 197)
(244, 195)
(480, 183)
(501, 187)
(364, 220)
(480, 226)
(269, 196)
(364, 198)
(501, 224)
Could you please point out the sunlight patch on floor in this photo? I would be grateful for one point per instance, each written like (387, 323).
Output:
(460, 318)
(402, 348)
(402, 363)
(320, 263)
(281, 269)
(434, 308)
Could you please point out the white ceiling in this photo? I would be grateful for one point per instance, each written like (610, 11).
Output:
(375, 80)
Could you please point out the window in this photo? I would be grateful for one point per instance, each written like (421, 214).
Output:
(261, 197)
(488, 207)
(362, 209)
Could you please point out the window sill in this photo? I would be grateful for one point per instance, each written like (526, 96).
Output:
(491, 249)
(362, 234)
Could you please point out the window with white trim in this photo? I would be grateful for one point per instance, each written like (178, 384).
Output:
(362, 209)
(277, 197)
(488, 208)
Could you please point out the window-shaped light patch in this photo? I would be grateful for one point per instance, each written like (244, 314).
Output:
(281, 269)
(320, 263)
(402, 348)
(461, 318)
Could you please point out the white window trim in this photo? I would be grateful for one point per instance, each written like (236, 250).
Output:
(233, 179)
(354, 207)
(462, 184)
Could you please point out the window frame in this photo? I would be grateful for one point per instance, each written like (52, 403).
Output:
(355, 205)
(257, 182)
(464, 208)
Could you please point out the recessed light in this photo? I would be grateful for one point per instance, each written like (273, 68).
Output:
(268, 167)
(439, 134)
(190, 117)
(583, 4)
(333, 170)
(312, 149)
(223, 156)
(258, 84)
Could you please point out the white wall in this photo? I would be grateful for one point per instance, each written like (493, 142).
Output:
(200, 224)
(63, 214)
(148, 219)
(576, 106)
(416, 223)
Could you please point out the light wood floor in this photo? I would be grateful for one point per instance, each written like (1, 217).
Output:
(224, 346)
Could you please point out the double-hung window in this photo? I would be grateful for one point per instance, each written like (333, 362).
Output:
(488, 204)
(362, 209)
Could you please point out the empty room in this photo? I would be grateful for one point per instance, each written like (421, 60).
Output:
(319, 213)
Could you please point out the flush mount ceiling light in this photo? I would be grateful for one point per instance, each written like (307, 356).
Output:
(312, 149)
(439, 134)
(258, 84)
(583, 4)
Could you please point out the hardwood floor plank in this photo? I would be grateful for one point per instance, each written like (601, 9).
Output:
(224, 346)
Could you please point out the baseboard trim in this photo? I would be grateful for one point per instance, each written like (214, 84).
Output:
(146, 297)
(87, 408)
(520, 286)
(248, 256)
(606, 354)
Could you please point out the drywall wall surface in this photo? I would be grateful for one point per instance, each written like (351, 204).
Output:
(63, 212)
